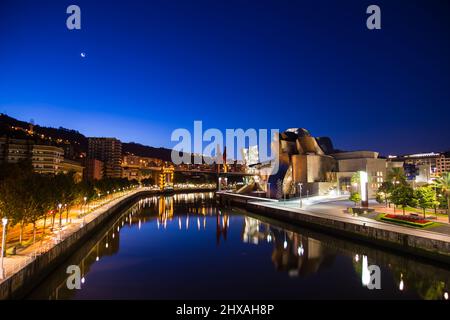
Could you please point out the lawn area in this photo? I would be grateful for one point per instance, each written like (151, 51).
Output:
(427, 211)
(399, 210)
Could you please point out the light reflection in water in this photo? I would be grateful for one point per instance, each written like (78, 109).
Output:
(292, 252)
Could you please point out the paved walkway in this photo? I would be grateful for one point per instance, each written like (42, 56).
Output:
(14, 263)
(335, 210)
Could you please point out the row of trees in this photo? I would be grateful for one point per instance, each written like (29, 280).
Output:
(396, 190)
(26, 196)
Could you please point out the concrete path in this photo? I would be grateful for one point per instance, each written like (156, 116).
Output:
(335, 210)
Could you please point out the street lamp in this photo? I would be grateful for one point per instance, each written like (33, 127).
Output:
(60, 220)
(4, 223)
(60, 213)
(85, 199)
(300, 185)
(363, 179)
(67, 212)
(401, 286)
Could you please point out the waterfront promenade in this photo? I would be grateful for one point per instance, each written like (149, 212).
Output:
(14, 263)
(335, 210)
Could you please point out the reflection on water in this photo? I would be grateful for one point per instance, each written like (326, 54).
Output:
(183, 246)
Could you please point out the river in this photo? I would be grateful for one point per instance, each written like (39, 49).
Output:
(185, 247)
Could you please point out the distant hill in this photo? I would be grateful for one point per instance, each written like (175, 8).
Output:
(73, 142)
(146, 151)
(69, 139)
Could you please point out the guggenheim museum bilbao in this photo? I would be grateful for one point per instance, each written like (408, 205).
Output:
(311, 165)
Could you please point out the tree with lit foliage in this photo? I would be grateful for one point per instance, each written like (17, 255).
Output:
(426, 198)
(13, 184)
(355, 197)
(443, 184)
(403, 195)
(27, 196)
(384, 192)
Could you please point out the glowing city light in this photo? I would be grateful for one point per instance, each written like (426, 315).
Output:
(363, 182)
(401, 286)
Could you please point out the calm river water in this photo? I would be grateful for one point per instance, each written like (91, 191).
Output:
(184, 247)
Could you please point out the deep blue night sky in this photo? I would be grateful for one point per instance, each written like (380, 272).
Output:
(154, 66)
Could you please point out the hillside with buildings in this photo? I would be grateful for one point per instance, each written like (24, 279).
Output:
(61, 150)
(73, 142)
(303, 158)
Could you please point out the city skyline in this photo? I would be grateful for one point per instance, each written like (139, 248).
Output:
(154, 67)
(217, 157)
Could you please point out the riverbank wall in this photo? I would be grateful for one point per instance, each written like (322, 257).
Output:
(20, 283)
(429, 245)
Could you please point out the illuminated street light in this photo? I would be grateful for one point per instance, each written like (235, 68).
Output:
(300, 185)
(285, 241)
(363, 180)
(401, 286)
(2, 270)
(60, 220)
